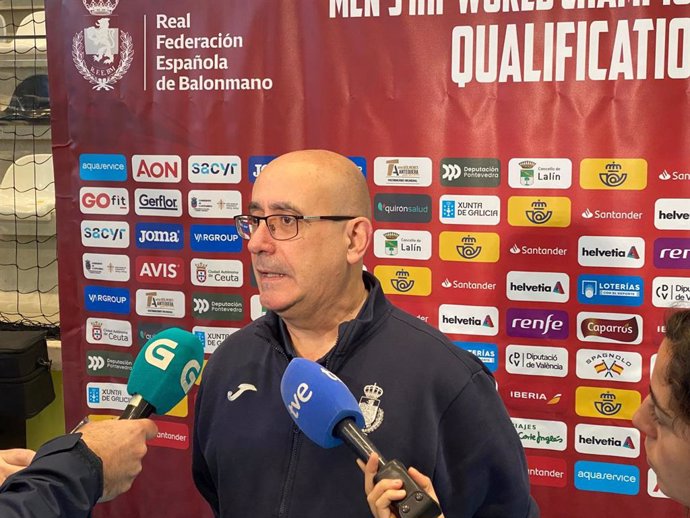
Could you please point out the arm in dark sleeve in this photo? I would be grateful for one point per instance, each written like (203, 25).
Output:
(481, 471)
(65, 479)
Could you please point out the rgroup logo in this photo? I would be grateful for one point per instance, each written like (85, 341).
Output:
(413, 208)
(606, 403)
(157, 168)
(547, 471)
(611, 251)
(214, 169)
(104, 234)
(402, 244)
(105, 331)
(470, 172)
(106, 267)
(541, 434)
(159, 236)
(610, 290)
(475, 247)
(103, 167)
(214, 204)
(256, 165)
(537, 323)
(617, 441)
(212, 337)
(543, 211)
(613, 174)
(215, 238)
(668, 292)
(605, 477)
(160, 303)
(154, 202)
(159, 270)
(672, 253)
(468, 320)
(532, 360)
(106, 300)
(487, 353)
(538, 286)
(672, 214)
(470, 210)
(593, 364)
(101, 200)
(217, 272)
(616, 328)
(404, 280)
(540, 173)
(402, 171)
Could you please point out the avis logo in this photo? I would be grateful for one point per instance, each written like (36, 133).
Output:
(401, 282)
(613, 177)
(539, 213)
(95, 362)
(607, 404)
(469, 249)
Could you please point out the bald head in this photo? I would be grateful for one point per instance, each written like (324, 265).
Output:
(331, 177)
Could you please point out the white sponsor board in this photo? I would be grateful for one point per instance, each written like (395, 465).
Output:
(611, 251)
(160, 303)
(540, 173)
(113, 396)
(617, 441)
(106, 331)
(538, 286)
(597, 364)
(217, 272)
(534, 360)
(225, 169)
(672, 214)
(105, 234)
(468, 320)
(212, 337)
(106, 267)
(671, 292)
(541, 434)
(402, 244)
(214, 204)
(402, 171)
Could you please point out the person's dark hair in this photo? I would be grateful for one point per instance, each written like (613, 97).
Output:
(678, 372)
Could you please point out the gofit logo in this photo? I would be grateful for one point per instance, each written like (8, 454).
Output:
(607, 440)
(159, 270)
(214, 204)
(103, 168)
(151, 202)
(538, 286)
(487, 353)
(402, 244)
(537, 323)
(609, 365)
(216, 272)
(470, 210)
(106, 267)
(160, 303)
(106, 300)
(547, 471)
(672, 214)
(605, 477)
(470, 172)
(171, 435)
(606, 403)
(212, 337)
(107, 395)
(610, 290)
(215, 238)
(159, 236)
(617, 328)
(414, 208)
(672, 253)
(545, 211)
(214, 169)
(256, 165)
(408, 280)
(109, 363)
(532, 360)
(105, 331)
(611, 251)
(531, 398)
(217, 306)
(540, 173)
(613, 173)
(477, 247)
(404, 171)
(540, 434)
(99, 200)
(105, 234)
(668, 292)
(157, 168)
(468, 320)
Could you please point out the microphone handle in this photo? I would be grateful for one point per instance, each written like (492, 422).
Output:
(357, 440)
(137, 408)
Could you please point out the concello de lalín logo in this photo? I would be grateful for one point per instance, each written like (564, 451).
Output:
(101, 53)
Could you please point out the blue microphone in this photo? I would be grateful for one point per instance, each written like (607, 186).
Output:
(163, 372)
(326, 411)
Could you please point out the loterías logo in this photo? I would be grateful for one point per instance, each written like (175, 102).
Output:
(101, 53)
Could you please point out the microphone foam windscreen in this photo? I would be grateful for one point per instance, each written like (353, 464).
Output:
(166, 368)
(317, 401)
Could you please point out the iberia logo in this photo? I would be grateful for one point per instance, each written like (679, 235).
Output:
(624, 174)
(476, 247)
(404, 280)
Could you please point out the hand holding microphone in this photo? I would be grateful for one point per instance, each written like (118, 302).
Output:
(327, 412)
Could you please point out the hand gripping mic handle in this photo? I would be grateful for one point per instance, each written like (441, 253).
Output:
(138, 408)
(417, 503)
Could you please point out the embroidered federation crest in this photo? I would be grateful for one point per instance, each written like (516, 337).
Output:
(102, 53)
(371, 409)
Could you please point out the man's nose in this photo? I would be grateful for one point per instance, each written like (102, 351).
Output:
(261, 239)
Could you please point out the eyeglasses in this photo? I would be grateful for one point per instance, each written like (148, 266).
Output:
(281, 226)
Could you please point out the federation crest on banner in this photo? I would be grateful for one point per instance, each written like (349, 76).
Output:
(371, 409)
(102, 53)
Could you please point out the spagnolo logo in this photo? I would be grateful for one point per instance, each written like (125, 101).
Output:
(102, 54)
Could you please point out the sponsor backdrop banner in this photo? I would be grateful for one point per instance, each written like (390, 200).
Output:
(530, 182)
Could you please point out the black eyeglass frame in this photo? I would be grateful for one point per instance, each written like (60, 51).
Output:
(246, 218)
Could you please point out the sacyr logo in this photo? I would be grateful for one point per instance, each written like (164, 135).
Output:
(609, 328)
(613, 174)
(214, 169)
(545, 211)
(606, 403)
(105, 234)
(478, 247)
(606, 477)
(408, 280)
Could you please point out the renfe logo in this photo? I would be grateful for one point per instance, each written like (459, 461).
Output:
(159, 236)
(672, 253)
(616, 328)
(537, 323)
(159, 270)
(605, 477)
(157, 168)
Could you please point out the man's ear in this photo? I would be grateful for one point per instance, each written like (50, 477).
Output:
(359, 235)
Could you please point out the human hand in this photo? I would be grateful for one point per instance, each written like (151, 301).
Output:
(381, 495)
(13, 460)
(121, 445)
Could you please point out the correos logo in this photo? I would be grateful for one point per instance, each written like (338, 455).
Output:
(477, 247)
(611, 251)
(407, 280)
(606, 477)
(627, 174)
(606, 403)
(543, 211)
